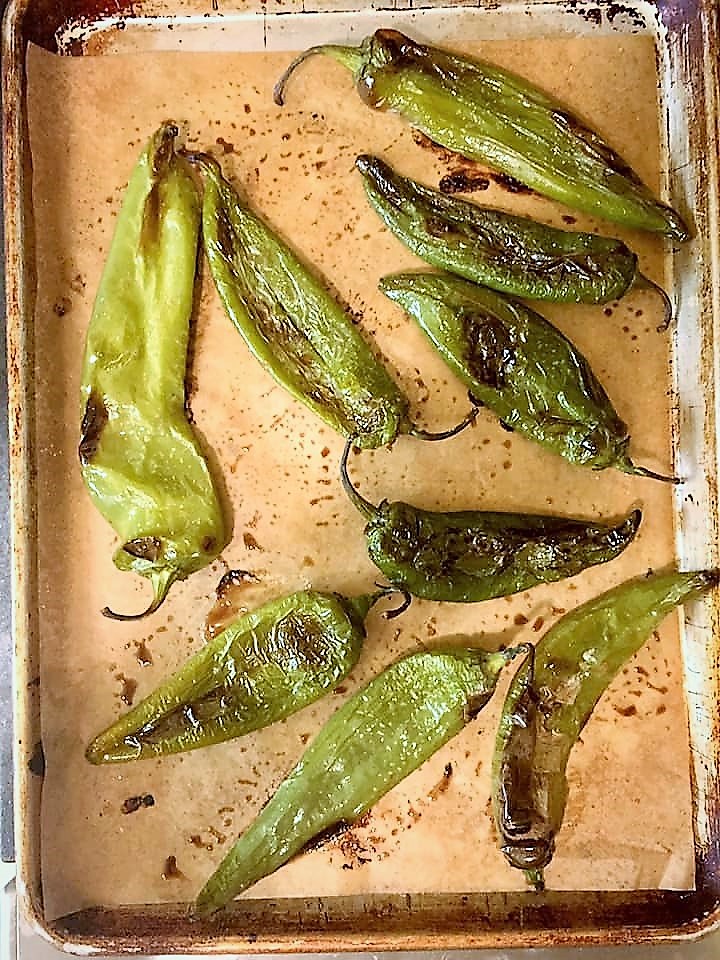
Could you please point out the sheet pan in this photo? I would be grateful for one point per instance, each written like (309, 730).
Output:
(97, 883)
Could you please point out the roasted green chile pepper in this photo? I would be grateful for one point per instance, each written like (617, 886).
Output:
(552, 697)
(520, 366)
(293, 326)
(472, 555)
(375, 740)
(263, 667)
(139, 456)
(492, 116)
(511, 254)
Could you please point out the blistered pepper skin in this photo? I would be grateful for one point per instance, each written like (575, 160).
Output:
(508, 253)
(474, 555)
(139, 456)
(552, 697)
(494, 117)
(262, 668)
(375, 740)
(520, 366)
(292, 324)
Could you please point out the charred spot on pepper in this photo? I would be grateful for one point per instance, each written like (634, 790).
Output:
(93, 422)
(144, 548)
(463, 181)
(326, 836)
(152, 217)
(596, 145)
(510, 183)
(490, 349)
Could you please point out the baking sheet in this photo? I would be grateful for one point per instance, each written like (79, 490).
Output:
(89, 117)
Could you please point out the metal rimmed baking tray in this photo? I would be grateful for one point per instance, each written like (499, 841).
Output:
(50, 596)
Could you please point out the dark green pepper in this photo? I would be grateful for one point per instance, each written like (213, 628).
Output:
(293, 326)
(492, 116)
(511, 254)
(139, 456)
(473, 555)
(263, 667)
(552, 697)
(520, 366)
(383, 733)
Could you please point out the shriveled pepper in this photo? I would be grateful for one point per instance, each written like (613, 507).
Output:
(375, 740)
(139, 456)
(520, 366)
(511, 254)
(552, 697)
(263, 667)
(292, 324)
(492, 116)
(472, 555)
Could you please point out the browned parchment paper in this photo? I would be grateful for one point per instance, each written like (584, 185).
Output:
(628, 819)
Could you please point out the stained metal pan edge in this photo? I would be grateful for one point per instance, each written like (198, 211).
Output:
(388, 923)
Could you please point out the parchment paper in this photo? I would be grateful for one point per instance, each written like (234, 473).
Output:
(628, 818)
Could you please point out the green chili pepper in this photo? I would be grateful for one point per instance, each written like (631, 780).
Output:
(265, 666)
(492, 116)
(383, 733)
(292, 325)
(520, 366)
(511, 254)
(139, 457)
(552, 697)
(472, 555)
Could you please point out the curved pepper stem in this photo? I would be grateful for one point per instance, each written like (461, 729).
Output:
(350, 57)
(362, 605)
(367, 509)
(627, 466)
(161, 583)
(467, 421)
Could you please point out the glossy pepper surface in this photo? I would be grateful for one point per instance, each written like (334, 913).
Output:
(263, 667)
(292, 325)
(383, 733)
(472, 555)
(552, 697)
(512, 254)
(519, 366)
(492, 116)
(139, 457)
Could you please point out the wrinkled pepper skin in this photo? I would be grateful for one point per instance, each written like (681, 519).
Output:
(375, 740)
(519, 366)
(508, 253)
(265, 666)
(292, 325)
(139, 456)
(551, 699)
(473, 555)
(495, 117)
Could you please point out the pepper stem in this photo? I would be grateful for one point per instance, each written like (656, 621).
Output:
(644, 283)
(350, 57)
(467, 421)
(367, 509)
(627, 466)
(390, 591)
(161, 583)
(536, 879)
